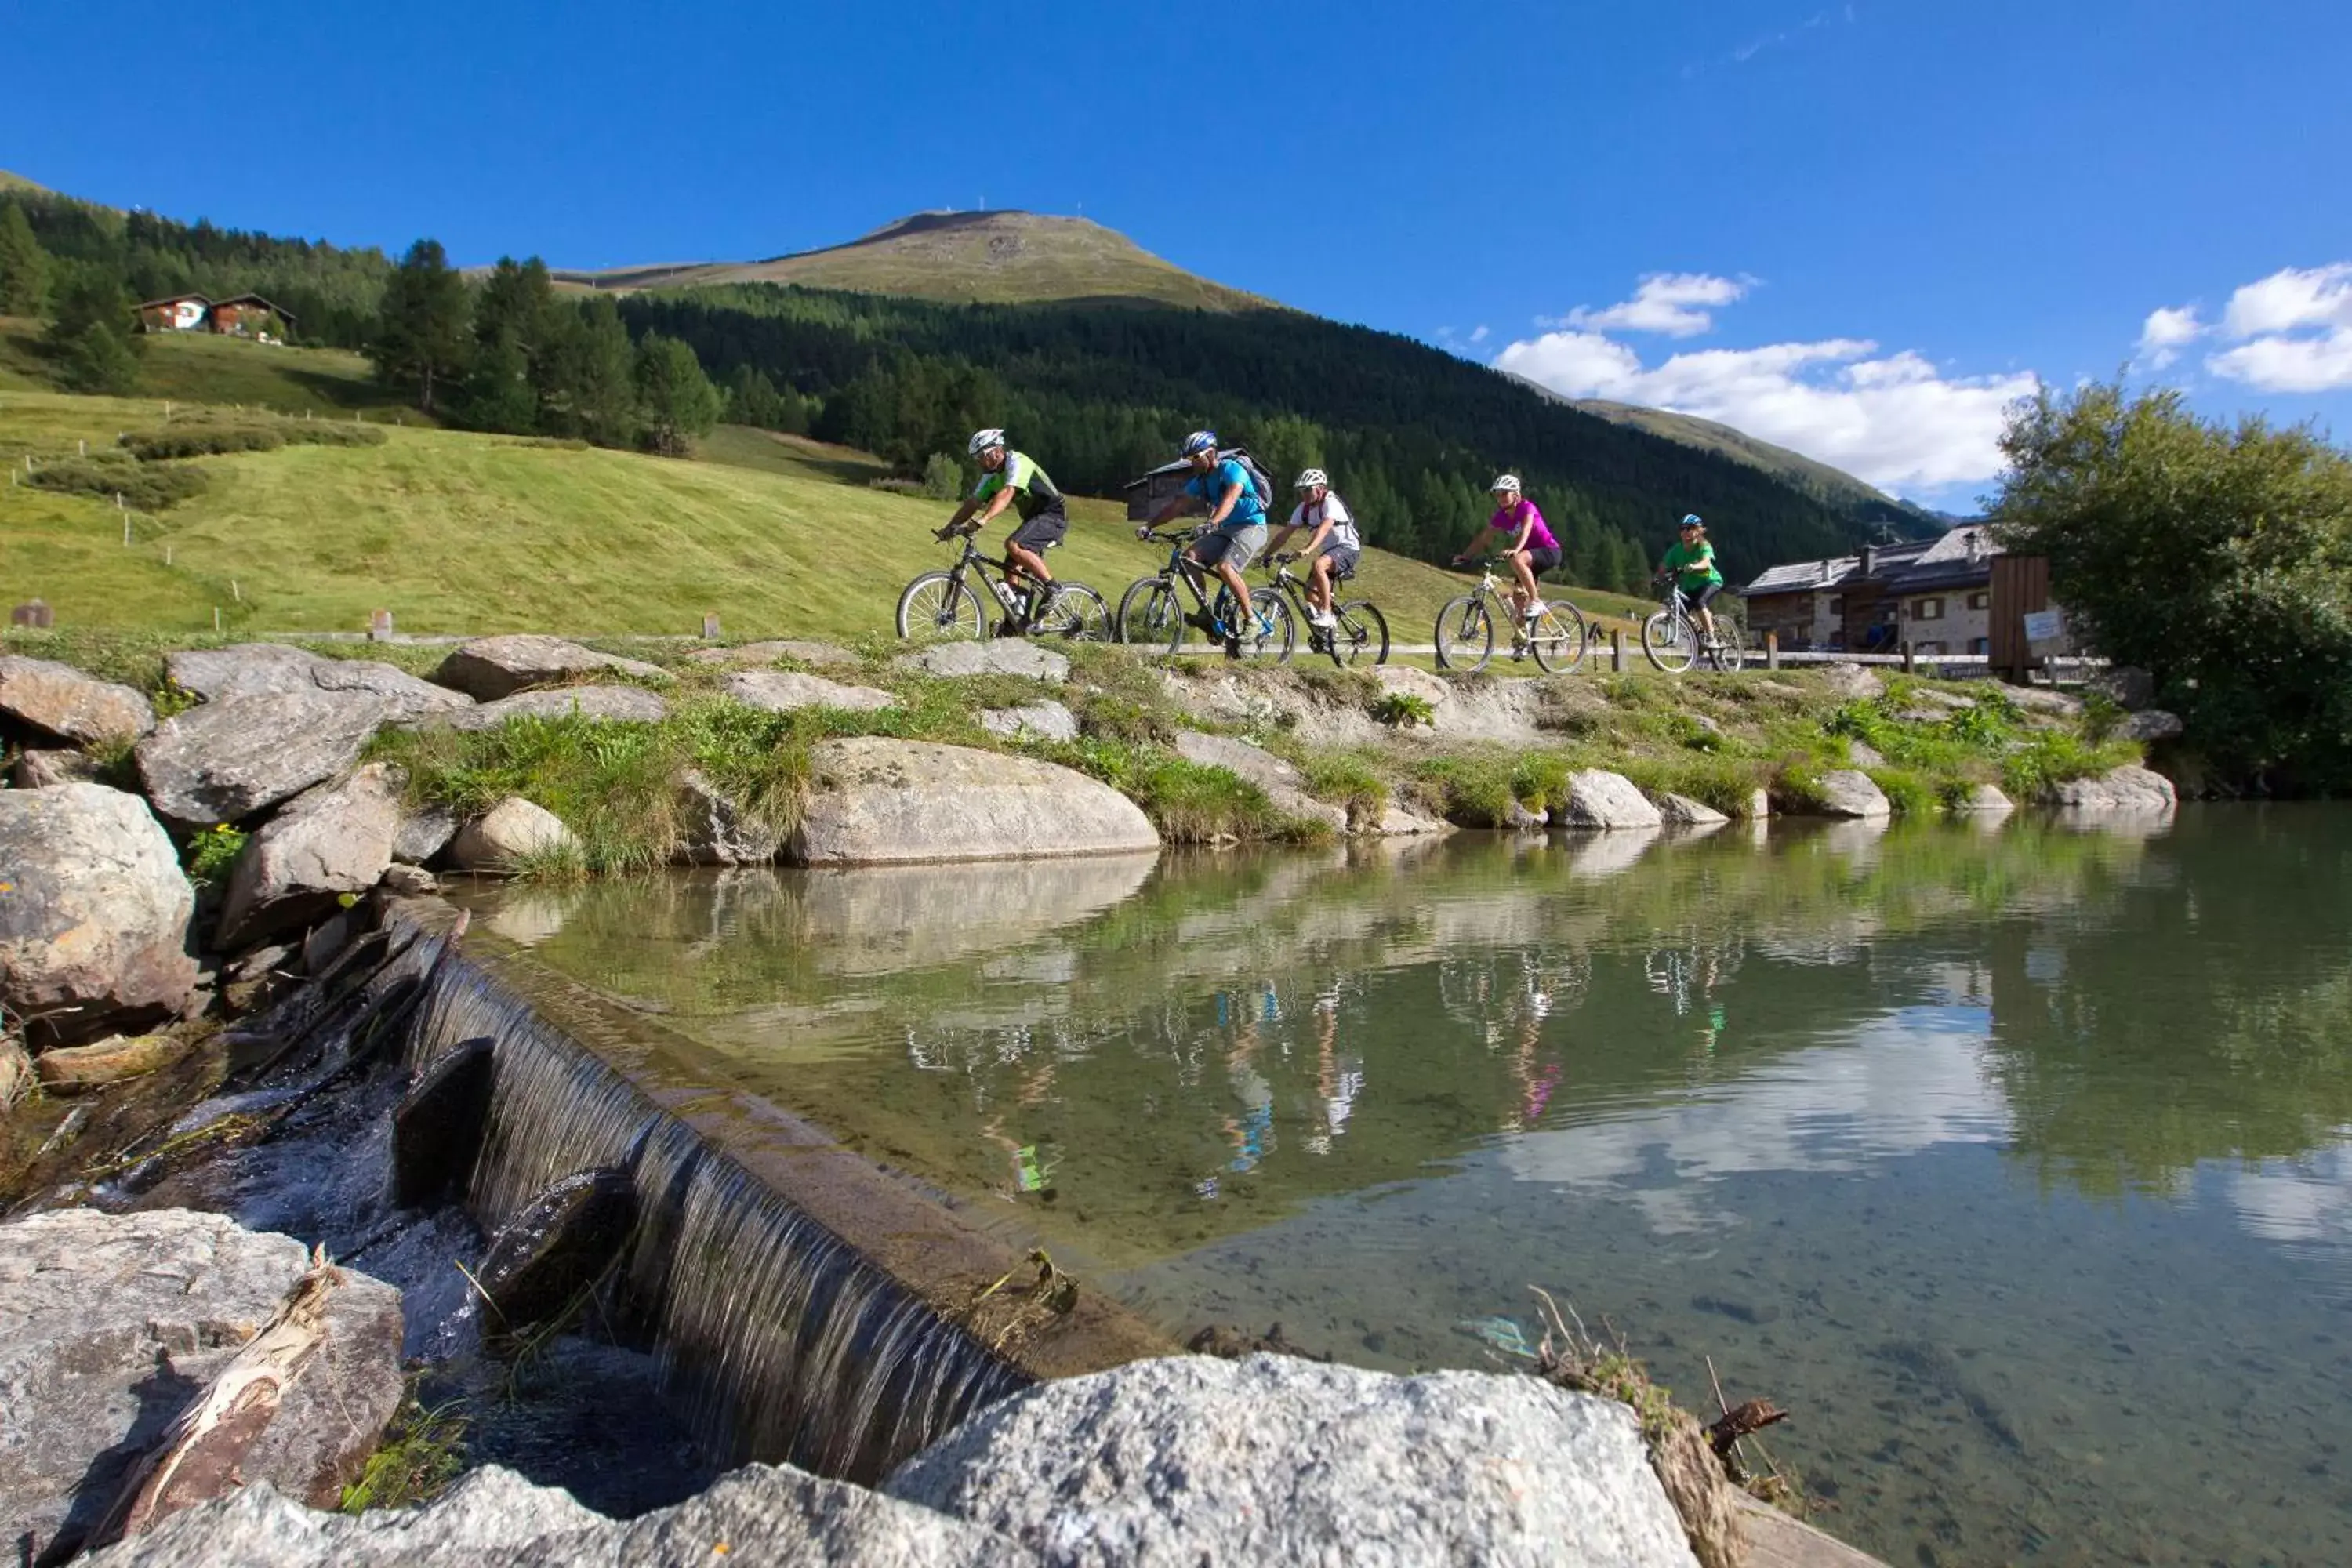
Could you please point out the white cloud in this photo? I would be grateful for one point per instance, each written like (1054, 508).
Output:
(1892, 419)
(1478, 334)
(2292, 331)
(2165, 332)
(1678, 304)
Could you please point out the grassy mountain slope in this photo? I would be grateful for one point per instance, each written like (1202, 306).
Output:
(197, 367)
(466, 533)
(9, 181)
(997, 257)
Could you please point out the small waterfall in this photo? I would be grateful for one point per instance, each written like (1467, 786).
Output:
(778, 1338)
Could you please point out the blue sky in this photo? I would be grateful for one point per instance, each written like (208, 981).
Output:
(1863, 225)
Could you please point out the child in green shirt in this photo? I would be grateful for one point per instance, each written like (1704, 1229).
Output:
(1692, 564)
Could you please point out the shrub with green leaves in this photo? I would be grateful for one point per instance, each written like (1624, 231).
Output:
(211, 853)
(1404, 711)
(143, 487)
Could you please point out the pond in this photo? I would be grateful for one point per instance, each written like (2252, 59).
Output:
(2015, 1161)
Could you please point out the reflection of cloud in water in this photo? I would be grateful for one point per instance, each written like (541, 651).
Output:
(1908, 1081)
(2306, 1203)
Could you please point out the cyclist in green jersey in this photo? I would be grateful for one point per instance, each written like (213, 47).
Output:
(1014, 479)
(1691, 562)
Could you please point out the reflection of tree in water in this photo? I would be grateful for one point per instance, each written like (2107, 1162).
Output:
(2207, 1019)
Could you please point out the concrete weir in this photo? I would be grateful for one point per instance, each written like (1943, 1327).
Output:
(802, 1305)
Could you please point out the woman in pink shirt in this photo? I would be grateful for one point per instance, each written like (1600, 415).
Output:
(1528, 545)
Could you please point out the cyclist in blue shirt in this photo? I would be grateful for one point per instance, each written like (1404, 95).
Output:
(1235, 530)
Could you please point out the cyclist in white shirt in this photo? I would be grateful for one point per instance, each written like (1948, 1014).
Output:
(1332, 542)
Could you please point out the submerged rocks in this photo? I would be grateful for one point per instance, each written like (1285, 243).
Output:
(269, 669)
(623, 704)
(224, 762)
(73, 1070)
(1273, 1459)
(997, 655)
(509, 833)
(492, 668)
(2131, 789)
(60, 701)
(1850, 793)
(93, 912)
(334, 840)
(110, 1325)
(782, 691)
(1600, 800)
(874, 801)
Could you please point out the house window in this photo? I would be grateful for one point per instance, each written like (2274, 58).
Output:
(1980, 645)
(1979, 601)
(1837, 605)
(1927, 610)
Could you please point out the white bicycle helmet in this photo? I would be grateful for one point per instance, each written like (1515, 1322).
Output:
(1200, 441)
(1311, 477)
(1504, 484)
(983, 440)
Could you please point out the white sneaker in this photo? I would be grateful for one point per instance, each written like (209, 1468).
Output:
(1537, 609)
(1321, 618)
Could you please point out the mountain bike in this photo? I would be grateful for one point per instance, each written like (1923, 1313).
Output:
(1556, 635)
(943, 606)
(1673, 643)
(1152, 615)
(1358, 626)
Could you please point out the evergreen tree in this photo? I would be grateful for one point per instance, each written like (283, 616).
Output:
(90, 334)
(421, 333)
(603, 376)
(675, 399)
(24, 266)
(497, 394)
(752, 399)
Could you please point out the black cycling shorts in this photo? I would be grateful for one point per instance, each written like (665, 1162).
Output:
(1343, 562)
(1047, 527)
(1703, 595)
(1543, 558)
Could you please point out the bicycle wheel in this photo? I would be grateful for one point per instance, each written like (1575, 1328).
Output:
(1466, 635)
(935, 608)
(1361, 631)
(1150, 615)
(1075, 613)
(1669, 642)
(1274, 637)
(1729, 657)
(1558, 638)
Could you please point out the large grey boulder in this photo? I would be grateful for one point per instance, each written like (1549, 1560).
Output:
(1597, 799)
(506, 835)
(223, 762)
(2046, 700)
(873, 801)
(93, 912)
(2130, 789)
(491, 668)
(1988, 799)
(997, 655)
(1046, 720)
(1192, 1459)
(424, 831)
(609, 704)
(758, 1515)
(60, 701)
(782, 691)
(1850, 793)
(1280, 781)
(1682, 810)
(269, 668)
(335, 839)
(110, 1325)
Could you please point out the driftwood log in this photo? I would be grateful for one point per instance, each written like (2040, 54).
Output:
(199, 1456)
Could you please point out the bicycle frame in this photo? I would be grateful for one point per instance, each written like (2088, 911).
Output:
(1180, 568)
(995, 574)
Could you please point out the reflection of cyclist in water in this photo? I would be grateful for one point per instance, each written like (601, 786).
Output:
(1252, 1133)
(1338, 1078)
(1537, 1078)
(1033, 1165)
(1689, 980)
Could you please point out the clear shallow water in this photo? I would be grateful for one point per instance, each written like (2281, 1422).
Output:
(2017, 1163)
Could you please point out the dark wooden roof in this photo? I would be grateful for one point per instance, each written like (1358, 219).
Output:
(275, 309)
(175, 299)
